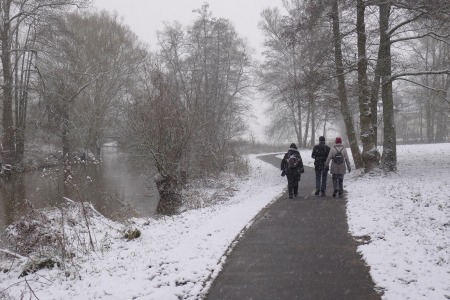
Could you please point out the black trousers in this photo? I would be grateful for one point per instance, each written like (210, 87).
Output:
(293, 184)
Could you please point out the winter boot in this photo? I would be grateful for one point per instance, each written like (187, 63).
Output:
(317, 193)
(334, 193)
(322, 193)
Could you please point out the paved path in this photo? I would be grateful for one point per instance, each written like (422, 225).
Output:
(297, 249)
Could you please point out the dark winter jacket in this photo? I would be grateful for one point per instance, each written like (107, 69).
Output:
(338, 168)
(320, 154)
(297, 169)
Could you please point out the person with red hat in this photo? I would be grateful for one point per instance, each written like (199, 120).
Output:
(339, 164)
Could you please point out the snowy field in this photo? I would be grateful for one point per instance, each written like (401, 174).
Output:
(406, 216)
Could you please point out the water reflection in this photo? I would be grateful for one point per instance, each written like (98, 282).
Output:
(119, 186)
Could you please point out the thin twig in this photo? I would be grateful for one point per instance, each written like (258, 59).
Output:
(31, 290)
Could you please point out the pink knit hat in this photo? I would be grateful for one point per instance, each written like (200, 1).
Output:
(338, 140)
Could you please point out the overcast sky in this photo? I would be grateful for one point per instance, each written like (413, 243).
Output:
(146, 17)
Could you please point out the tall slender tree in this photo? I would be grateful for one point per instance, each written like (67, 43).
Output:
(15, 16)
(370, 154)
(342, 90)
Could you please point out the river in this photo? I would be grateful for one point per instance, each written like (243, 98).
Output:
(119, 186)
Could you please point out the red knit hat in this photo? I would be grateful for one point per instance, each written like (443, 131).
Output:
(338, 140)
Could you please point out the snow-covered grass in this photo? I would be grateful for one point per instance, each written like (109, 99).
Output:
(407, 217)
(175, 257)
(405, 214)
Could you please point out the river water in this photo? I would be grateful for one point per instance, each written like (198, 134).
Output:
(119, 186)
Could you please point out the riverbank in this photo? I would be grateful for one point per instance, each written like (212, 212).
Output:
(177, 255)
(39, 156)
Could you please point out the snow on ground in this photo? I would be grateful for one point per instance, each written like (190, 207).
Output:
(405, 214)
(176, 257)
(407, 217)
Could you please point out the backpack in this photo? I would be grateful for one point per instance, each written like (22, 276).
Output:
(338, 157)
(292, 161)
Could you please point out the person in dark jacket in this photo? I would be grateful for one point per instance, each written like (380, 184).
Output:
(292, 167)
(320, 154)
(338, 170)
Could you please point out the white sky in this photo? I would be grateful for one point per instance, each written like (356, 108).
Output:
(146, 17)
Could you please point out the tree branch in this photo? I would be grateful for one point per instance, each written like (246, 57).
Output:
(425, 86)
(405, 22)
(397, 76)
(430, 34)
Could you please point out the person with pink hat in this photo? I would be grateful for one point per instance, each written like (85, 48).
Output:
(339, 164)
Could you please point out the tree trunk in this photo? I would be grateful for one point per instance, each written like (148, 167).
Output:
(374, 92)
(299, 122)
(389, 157)
(297, 98)
(296, 123)
(313, 123)
(429, 117)
(370, 153)
(325, 123)
(65, 131)
(169, 194)
(308, 116)
(8, 122)
(342, 91)
(441, 120)
(21, 96)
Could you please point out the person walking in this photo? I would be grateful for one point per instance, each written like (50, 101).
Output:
(319, 154)
(292, 167)
(339, 163)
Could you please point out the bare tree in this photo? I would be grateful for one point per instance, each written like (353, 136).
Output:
(15, 15)
(342, 92)
(84, 74)
(112, 52)
(279, 77)
(24, 58)
(294, 73)
(211, 68)
(432, 54)
(370, 154)
(187, 104)
(393, 32)
(158, 125)
(63, 77)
